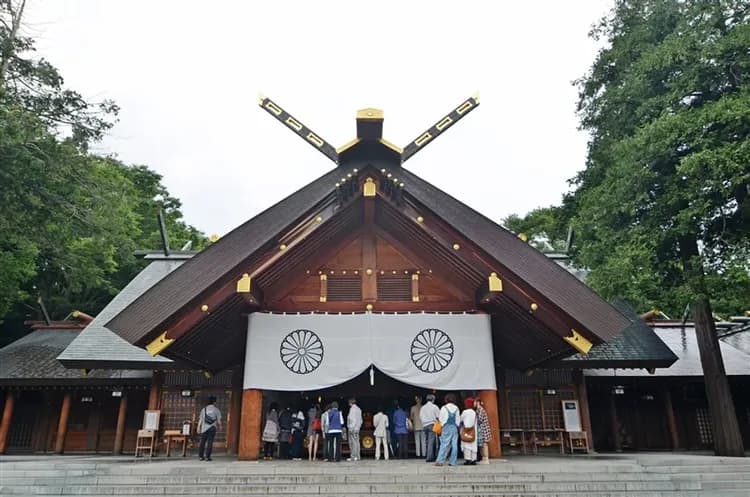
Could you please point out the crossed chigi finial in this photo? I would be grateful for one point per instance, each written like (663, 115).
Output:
(369, 129)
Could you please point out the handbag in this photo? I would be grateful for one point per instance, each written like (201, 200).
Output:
(437, 428)
(468, 435)
(409, 425)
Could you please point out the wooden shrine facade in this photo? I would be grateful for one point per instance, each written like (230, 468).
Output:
(368, 236)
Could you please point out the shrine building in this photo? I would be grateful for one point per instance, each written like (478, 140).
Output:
(367, 282)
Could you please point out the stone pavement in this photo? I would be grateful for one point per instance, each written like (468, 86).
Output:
(643, 475)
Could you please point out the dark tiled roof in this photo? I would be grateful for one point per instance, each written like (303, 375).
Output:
(636, 347)
(32, 359)
(207, 267)
(552, 280)
(740, 341)
(684, 344)
(98, 345)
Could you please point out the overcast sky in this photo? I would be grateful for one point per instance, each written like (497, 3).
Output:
(187, 75)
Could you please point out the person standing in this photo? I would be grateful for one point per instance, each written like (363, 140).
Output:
(353, 425)
(484, 432)
(469, 423)
(401, 430)
(449, 419)
(270, 435)
(209, 422)
(333, 436)
(313, 431)
(416, 423)
(428, 416)
(324, 431)
(298, 434)
(285, 435)
(380, 423)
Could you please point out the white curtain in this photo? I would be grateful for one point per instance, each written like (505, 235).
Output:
(313, 351)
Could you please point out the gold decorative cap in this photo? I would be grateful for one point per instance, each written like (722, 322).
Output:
(370, 113)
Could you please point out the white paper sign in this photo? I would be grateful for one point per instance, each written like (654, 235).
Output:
(571, 415)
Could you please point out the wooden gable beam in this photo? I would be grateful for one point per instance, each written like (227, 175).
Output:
(440, 127)
(298, 128)
(241, 285)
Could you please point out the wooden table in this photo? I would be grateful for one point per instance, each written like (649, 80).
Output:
(176, 436)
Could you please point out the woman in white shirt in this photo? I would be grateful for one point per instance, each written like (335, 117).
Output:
(380, 422)
(469, 421)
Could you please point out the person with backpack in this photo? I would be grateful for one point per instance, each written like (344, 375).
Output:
(314, 428)
(208, 421)
(449, 421)
(333, 435)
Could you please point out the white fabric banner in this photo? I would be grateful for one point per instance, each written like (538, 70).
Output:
(294, 352)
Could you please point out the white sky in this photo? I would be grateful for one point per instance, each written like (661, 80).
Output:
(186, 75)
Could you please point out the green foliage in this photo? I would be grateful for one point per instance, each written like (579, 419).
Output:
(545, 227)
(70, 221)
(662, 212)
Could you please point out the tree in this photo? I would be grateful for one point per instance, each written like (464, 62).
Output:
(662, 209)
(70, 220)
(545, 227)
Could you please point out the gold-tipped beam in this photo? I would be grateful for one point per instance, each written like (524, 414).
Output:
(440, 127)
(298, 128)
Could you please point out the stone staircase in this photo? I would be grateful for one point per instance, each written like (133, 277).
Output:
(596, 476)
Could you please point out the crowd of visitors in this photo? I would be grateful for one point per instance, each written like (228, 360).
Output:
(439, 433)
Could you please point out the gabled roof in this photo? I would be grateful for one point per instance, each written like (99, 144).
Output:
(210, 266)
(32, 360)
(97, 346)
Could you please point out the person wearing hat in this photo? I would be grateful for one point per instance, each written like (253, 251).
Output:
(469, 423)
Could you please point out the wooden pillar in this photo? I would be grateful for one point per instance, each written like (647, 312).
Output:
(616, 443)
(235, 409)
(490, 403)
(10, 401)
(671, 421)
(154, 395)
(583, 403)
(120, 432)
(62, 424)
(250, 429)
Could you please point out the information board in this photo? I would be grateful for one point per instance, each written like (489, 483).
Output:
(571, 415)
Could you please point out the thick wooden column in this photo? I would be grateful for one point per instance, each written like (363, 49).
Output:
(616, 443)
(154, 395)
(121, 416)
(726, 429)
(250, 429)
(62, 424)
(489, 401)
(10, 401)
(233, 416)
(583, 404)
(671, 421)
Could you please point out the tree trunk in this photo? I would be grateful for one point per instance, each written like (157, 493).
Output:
(726, 430)
(8, 49)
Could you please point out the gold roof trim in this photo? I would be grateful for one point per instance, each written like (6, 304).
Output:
(390, 145)
(370, 113)
(348, 145)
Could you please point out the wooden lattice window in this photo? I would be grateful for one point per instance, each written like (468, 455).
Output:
(525, 411)
(552, 409)
(395, 287)
(344, 288)
(703, 418)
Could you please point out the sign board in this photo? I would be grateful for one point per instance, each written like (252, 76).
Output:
(151, 420)
(571, 415)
